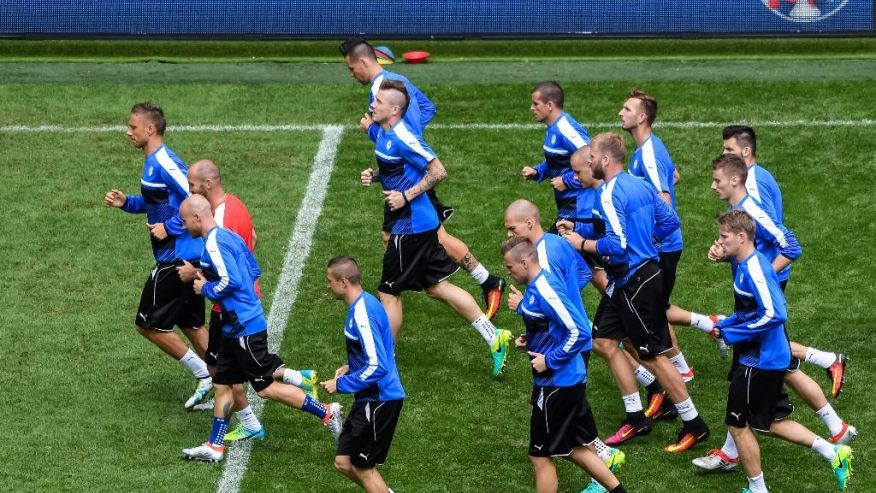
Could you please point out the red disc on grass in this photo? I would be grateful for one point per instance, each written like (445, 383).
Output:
(416, 56)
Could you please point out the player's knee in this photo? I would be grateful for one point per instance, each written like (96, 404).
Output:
(343, 465)
(604, 347)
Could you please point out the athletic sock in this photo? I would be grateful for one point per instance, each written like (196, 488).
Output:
(315, 407)
(825, 448)
(633, 403)
(248, 418)
(480, 274)
(485, 328)
(602, 450)
(292, 377)
(831, 419)
(687, 410)
(618, 489)
(702, 322)
(820, 358)
(757, 484)
(217, 435)
(680, 363)
(729, 447)
(644, 377)
(195, 364)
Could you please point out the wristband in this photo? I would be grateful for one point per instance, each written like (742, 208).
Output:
(582, 246)
(405, 196)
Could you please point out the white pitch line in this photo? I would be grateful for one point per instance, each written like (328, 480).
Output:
(287, 287)
(439, 126)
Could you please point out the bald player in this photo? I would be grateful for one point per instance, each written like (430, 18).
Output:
(232, 214)
(227, 277)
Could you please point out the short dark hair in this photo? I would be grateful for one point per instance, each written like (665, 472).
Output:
(743, 134)
(357, 48)
(397, 85)
(550, 91)
(153, 113)
(649, 104)
(346, 267)
(731, 165)
(738, 222)
(521, 246)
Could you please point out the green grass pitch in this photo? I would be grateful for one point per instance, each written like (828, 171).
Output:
(89, 405)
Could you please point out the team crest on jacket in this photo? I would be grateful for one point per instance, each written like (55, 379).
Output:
(388, 144)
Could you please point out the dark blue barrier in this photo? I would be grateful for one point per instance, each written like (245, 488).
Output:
(421, 18)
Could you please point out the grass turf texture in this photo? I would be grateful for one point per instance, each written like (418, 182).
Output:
(93, 406)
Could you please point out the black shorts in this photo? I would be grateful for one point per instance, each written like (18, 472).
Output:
(243, 359)
(561, 421)
(636, 311)
(593, 261)
(368, 432)
(214, 340)
(444, 212)
(414, 262)
(757, 398)
(669, 266)
(167, 301)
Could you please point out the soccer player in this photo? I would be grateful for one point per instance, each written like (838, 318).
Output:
(166, 301)
(557, 332)
(231, 213)
(562, 138)
(780, 247)
(760, 184)
(633, 305)
(414, 260)
(370, 374)
(362, 64)
(557, 257)
(652, 163)
(756, 399)
(243, 353)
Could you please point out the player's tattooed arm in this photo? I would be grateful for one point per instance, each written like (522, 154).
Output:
(434, 173)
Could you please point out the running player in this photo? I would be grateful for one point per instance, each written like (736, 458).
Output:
(166, 301)
(362, 64)
(370, 374)
(779, 246)
(563, 137)
(414, 259)
(243, 353)
(231, 213)
(760, 184)
(633, 305)
(756, 399)
(557, 332)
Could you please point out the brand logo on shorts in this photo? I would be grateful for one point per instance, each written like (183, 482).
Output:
(214, 355)
(364, 456)
(142, 315)
(804, 10)
(644, 348)
(259, 379)
(538, 447)
(738, 416)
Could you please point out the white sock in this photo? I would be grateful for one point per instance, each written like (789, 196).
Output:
(729, 447)
(757, 484)
(292, 377)
(820, 358)
(480, 274)
(687, 410)
(644, 377)
(680, 363)
(248, 418)
(602, 450)
(831, 419)
(702, 322)
(391, 490)
(825, 448)
(633, 403)
(485, 328)
(195, 364)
